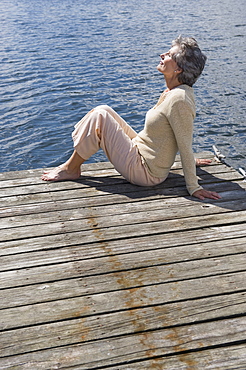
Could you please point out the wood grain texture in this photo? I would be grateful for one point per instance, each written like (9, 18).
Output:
(98, 273)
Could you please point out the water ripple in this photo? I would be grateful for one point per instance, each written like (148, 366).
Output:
(61, 58)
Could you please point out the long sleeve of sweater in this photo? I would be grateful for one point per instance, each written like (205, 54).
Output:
(180, 117)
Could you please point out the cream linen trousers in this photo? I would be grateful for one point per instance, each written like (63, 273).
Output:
(103, 128)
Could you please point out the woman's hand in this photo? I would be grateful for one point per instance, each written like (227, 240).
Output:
(202, 194)
(202, 162)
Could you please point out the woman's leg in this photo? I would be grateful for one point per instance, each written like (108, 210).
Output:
(104, 128)
(70, 170)
(125, 127)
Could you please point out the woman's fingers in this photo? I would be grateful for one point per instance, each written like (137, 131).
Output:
(200, 162)
(202, 194)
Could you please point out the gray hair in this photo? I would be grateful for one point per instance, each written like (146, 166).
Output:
(189, 58)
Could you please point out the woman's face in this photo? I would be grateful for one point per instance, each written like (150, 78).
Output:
(167, 65)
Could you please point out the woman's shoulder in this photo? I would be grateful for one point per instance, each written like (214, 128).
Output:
(182, 91)
(182, 94)
(182, 99)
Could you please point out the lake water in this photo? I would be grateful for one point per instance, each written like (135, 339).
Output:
(60, 58)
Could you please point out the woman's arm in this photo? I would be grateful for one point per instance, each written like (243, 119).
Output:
(181, 117)
(181, 121)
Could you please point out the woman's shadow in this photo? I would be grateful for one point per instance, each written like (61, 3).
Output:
(229, 185)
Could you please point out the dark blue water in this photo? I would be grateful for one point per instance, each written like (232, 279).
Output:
(60, 58)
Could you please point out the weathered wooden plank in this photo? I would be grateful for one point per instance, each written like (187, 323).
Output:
(125, 192)
(141, 258)
(35, 185)
(134, 347)
(81, 210)
(85, 192)
(5, 176)
(169, 188)
(37, 171)
(67, 332)
(117, 226)
(82, 238)
(222, 358)
(230, 191)
(182, 241)
(105, 172)
(172, 207)
(170, 267)
(36, 180)
(138, 253)
(89, 167)
(142, 271)
(125, 295)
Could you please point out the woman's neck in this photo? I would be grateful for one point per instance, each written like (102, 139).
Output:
(172, 83)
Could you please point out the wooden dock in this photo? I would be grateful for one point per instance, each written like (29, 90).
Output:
(101, 274)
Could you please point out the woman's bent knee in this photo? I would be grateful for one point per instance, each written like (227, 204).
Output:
(104, 107)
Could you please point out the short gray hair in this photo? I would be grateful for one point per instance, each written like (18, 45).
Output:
(189, 58)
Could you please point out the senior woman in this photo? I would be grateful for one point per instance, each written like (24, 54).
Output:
(145, 158)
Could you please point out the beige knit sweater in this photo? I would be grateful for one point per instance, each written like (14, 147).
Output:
(168, 130)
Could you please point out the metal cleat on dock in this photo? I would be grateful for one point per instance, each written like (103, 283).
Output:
(219, 157)
(241, 170)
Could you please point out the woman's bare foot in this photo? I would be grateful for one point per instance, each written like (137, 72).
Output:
(70, 170)
(61, 173)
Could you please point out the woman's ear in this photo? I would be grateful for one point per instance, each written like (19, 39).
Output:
(178, 70)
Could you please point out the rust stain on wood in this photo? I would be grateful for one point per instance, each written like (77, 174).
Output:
(133, 314)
